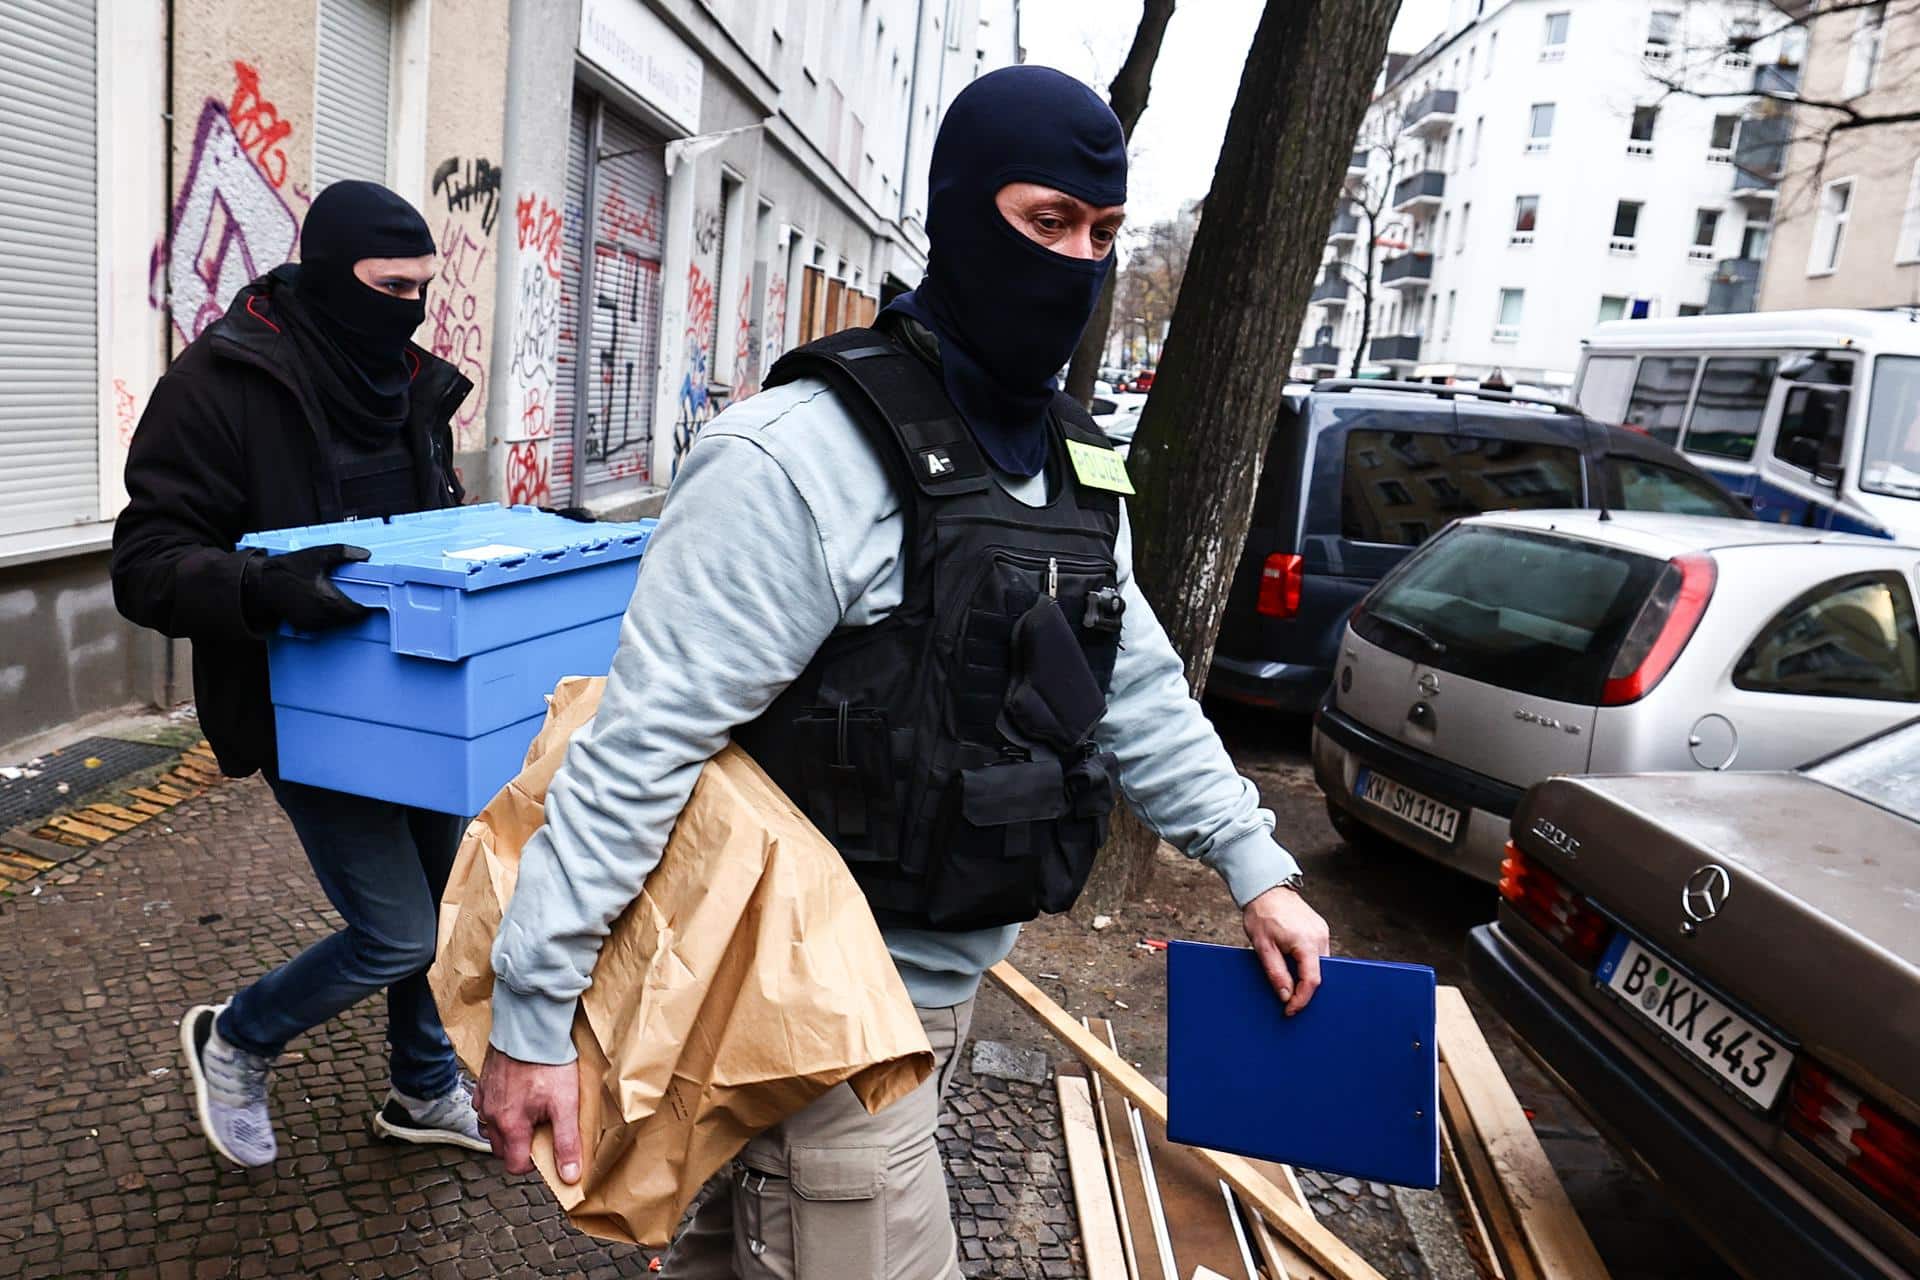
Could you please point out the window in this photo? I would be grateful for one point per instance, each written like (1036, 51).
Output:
(1813, 429)
(1661, 32)
(1479, 126)
(1907, 247)
(1446, 232)
(1880, 770)
(1465, 209)
(1507, 327)
(1660, 394)
(1493, 40)
(1605, 384)
(1446, 335)
(1648, 486)
(353, 63)
(1720, 142)
(1830, 228)
(1753, 240)
(1729, 405)
(1626, 227)
(1540, 129)
(1554, 44)
(1431, 485)
(1526, 214)
(1706, 225)
(1611, 308)
(1691, 309)
(1471, 50)
(1863, 52)
(1890, 462)
(1525, 611)
(1640, 133)
(1741, 33)
(1853, 637)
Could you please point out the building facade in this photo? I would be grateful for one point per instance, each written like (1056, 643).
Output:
(639, 203)
(1541, 166)
(1847, 231)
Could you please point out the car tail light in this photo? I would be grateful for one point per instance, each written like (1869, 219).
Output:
(1876, 1150)
(1280, 586)
(1665, 624)
(1570, 922)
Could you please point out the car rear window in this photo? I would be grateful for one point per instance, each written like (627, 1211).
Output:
(1884, 770)
(1532, 612)
(1648, 486)
(1403, 486)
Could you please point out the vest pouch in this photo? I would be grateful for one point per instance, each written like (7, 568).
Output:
(1092, 787)
(987, 872)
(848, 780)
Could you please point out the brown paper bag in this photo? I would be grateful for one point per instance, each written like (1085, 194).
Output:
(746, 980)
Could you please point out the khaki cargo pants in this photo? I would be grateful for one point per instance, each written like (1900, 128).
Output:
(834, 1193)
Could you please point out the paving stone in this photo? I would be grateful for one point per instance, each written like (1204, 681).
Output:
(992, 1058)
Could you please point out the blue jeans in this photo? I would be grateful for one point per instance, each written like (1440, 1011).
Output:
(384, 867)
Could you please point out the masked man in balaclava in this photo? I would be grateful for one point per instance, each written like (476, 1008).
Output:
(900, 578)
(305, 404)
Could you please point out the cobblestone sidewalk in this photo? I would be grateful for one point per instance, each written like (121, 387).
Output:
(102, 1167)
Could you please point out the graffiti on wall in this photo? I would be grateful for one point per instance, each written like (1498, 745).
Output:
(229, 225)
(621, 220)
(536, 351)
(470, 185)
(458, 336)
(626, 293)
(696, 407)
(773, 326)
(746, 343)
(257, 124)
(125, 415)
(528, 464)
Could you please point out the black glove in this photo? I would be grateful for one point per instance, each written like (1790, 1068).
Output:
(581, 514)
(296, 588)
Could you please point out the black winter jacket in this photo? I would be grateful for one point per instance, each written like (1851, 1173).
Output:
(233, 442)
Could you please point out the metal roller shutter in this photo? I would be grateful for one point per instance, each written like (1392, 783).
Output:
(49, 277)
(353, 65)
(719, 282)
(629, 190)
(567, 358)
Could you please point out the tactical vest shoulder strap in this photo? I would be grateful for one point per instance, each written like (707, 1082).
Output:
(1077, 424)
(901, 404)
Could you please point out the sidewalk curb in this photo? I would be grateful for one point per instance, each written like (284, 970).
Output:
(28, 853)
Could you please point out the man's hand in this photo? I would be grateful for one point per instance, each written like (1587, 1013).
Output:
(1281, 925)
(516, 1096)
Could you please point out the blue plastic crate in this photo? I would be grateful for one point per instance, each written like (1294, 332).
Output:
(478, 612)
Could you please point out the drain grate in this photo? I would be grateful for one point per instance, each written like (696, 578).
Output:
(85, 766)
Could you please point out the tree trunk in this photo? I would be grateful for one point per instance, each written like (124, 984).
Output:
(1196, 455)
(1127, 95)
(1366, 295)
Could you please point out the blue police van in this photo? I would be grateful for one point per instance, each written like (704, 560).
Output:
(1811, 417)
(1359, 473)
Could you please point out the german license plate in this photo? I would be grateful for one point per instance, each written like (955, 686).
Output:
(1407, 804)
(1696, 1021)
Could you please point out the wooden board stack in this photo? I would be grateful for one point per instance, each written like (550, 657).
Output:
(1150, 1209)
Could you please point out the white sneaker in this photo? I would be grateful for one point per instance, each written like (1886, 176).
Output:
(229, 1091)
(448, 1120)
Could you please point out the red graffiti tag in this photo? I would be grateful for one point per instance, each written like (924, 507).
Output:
(257, 124)
(124, 418)
(527, 465)
(622, 220)
(458, 336)
(537, 227)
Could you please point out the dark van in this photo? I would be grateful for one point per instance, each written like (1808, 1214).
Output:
(1359, 473)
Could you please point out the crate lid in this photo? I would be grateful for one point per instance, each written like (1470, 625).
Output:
(472, 548)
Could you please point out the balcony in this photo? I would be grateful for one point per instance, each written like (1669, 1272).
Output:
(1407, 271)
(1431, 114)
(1320, 356)
(1332, 290)
(1733, 286)
(1420, 191)
(1357, 162)
(1760, 156)
(1346, 227)
(1403, 348)
(1777, 78)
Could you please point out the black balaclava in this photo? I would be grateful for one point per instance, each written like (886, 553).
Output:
(355, 337)
(1008, 311)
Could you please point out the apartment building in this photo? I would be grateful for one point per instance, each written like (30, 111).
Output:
(1847, 230)
(1532, 175)
(639, 204)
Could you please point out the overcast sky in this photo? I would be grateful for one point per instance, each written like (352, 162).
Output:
(1178, 139)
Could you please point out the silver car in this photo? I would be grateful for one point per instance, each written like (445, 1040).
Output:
(1517, 646)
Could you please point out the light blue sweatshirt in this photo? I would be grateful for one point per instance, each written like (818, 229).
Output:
(781, 529)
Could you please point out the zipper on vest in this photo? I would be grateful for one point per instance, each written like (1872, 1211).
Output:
(1053, 577)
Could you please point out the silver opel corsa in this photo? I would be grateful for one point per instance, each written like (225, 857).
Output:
(1521, 645)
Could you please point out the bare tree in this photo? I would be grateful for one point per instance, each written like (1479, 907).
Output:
(1147, 287)
(1196, 456)
(1127, 95)
(1371, 196)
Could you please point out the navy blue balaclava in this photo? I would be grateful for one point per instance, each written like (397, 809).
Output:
(1009, 312)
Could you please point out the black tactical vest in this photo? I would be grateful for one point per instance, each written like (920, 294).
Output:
(947, 749)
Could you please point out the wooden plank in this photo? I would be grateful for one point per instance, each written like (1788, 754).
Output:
(1298, 1225)
(1197, 1213)
(125, 815)
(85, 830)
(1479, 1236)
(1092, 1195)
(1156, 1211)
(146, 809)
(155, 797)
(1109, 1147)
(1556, 1240)
(27, 860)
(1131, 1184)
(1481, 1186)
